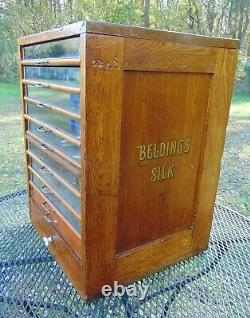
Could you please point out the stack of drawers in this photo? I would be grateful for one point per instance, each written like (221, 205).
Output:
(51, 99)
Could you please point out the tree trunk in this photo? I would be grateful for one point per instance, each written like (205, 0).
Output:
(146, 13)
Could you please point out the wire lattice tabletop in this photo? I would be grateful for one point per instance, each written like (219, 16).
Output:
(214, 284)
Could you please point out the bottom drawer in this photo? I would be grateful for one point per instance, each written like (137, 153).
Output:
(55, 220)
(59, 249)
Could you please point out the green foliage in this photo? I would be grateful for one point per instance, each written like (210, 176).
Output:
(247, 71)
(124, 13)
(224, 18)
(8, 57)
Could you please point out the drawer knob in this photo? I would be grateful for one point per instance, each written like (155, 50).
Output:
(47, 240)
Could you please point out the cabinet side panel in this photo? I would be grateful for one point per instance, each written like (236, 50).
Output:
(104, 64)
(219, 105)
(158, 228)
(152, 55)
(83, 151)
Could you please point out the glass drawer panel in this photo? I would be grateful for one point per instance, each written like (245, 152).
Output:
(65, 76)
(68, 196)
(61, 122)
(58, 205)
(70, 102)
(59, 143)
(67, 48)
(67, 175)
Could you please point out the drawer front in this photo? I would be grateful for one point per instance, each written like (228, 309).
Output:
(72, 179)
(63, 254)
(62, 145)
(68, 49)
(64, 76)
(51, 195)
(65, 101)
(56, 221)
(56, 185)
(58, 121)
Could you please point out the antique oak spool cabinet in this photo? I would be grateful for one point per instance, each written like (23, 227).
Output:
(124, 132)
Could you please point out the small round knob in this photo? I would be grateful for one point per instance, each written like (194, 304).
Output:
(47, 240)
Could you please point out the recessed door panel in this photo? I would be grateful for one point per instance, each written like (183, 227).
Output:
(163, 125)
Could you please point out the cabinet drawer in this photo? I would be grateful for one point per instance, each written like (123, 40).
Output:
(65, 101)
(54, 153)
(62, 145)
(66, 174)
(55, 184)
(63, 207)
(63, 49)
(62, 253)
(55, 220)
(59, 121)
(64, 76)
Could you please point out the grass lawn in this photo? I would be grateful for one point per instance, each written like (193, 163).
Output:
(234, 184)
(12, 176)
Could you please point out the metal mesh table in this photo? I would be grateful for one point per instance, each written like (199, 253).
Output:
(213, 284)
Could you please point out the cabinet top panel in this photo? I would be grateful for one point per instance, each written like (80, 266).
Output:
(126, 31)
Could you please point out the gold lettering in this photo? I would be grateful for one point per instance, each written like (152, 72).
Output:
(167, 151)
(162, 173)
(150, 152)
(187, 145)
(156, 152)
(170, 171)
(153, 176)
(173, 147)
(179, 146)
(162, 149)
(158, 173)
(142, 153)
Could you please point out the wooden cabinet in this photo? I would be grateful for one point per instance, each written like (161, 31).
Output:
(124, 132)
